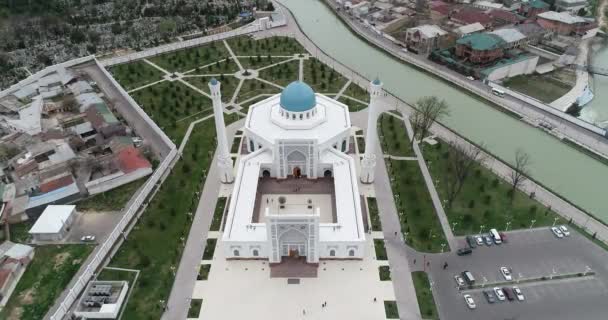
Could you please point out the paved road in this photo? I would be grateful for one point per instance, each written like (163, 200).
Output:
(530, 254)
(179, 300)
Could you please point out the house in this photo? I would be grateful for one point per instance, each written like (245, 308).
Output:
(487, 5)
(469, 28)
(572, 6)
(512, 37)
(480, 48)
(503, 18)
(27, 119)
(564, 23)
(14, 259)
(128, 165)
(439, 11)
(533, 31)
(424, 38)
(467, 15)
(532, 8)
(104, 121)
(87, 99)
(54, 223)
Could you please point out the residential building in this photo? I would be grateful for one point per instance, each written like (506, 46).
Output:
(469, 29)
(532, 8)
(14, 259)
(572, 6)
(425, 38)
(467, 15)
(104, 121)
(511, 36)
(504, 18)
(565, 23)
(480, 48)
(54, 223)
(533, 32)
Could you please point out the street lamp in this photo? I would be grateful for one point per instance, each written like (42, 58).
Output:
(454, 224)
(532, 223)
(555, 221)
(481, 229)
(442, 246)
(508, 224)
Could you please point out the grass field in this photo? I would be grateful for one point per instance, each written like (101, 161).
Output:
(374, 214)
(135, 74)
(191, 58)
(353, 106)
(321, 77)
(218, 214)
(112, 200)
(428, 310)
(357, 92)
(44, 279)
(209, 249)
(276, 46)
(390, 309)
(252, 88)
(227, 87)
(393, 136)
(282, 74)
(484, 199)
(195, 308)
(203, 272)
(385, 273)
(542, 87)
(380, 249)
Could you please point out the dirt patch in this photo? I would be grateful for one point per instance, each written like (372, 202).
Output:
(60, 259)
(25, 298)
(15, 314)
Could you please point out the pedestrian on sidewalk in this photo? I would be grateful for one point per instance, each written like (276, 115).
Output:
(374, 299)
(414, 261)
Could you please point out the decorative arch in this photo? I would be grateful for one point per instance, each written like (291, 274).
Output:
(332, 253)
(296, 156)
(255, 252)
(351, 252)
(236, 252)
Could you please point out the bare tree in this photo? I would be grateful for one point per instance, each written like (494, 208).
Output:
(428, 110)
(462, 159)
(520, 170)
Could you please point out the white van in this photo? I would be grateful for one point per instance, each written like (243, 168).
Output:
(498, 92)
(496, 236)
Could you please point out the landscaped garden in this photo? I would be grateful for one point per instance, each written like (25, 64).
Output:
(374, 214)
(393, 136)
(218, 214)
(195, 308)
(390, 309)
(191, 58)
(322, 78)
(385, 273)
(484, 199)
(426, 302)
(135, 74)
(45, 278)
(546, 88)
(209, 249)
(275, 46)
(380, 249)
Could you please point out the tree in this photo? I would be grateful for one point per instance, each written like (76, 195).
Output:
(70, 104)
(461, 162)
(427, 110)
(520, 170)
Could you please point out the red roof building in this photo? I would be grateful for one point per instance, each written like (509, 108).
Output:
(502, 17)
(466, 16)
(130, 159)
(56, 184)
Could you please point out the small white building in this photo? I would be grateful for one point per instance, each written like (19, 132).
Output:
(570, 5)
(296, 193)
(469, 28)
(54, 223)
(424, 38)
(511, 36)
(102, 300)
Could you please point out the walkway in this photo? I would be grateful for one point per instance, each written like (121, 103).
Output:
(582, 79)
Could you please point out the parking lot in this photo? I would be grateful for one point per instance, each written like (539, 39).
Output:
(530, 254)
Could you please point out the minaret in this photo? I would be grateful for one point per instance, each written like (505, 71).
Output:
(368, 163)
(224, 162)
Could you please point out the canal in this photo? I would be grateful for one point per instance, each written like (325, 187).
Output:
(597, 110)
(565, 170)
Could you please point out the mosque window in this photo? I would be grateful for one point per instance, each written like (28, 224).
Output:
(332, 253)
(255, 252)
(351, 253)
(235, 253)
(301, 116)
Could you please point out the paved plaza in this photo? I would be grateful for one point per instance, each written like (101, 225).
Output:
(240, 289)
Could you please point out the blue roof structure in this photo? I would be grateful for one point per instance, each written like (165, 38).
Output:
(376, 82)
(213, 81)
(298, 97)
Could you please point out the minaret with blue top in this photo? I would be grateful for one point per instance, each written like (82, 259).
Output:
(368, 163)
(224, 161)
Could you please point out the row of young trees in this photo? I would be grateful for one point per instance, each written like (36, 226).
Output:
(462, 157)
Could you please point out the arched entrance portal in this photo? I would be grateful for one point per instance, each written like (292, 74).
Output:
(297, 172)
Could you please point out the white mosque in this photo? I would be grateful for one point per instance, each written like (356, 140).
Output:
(296, 190)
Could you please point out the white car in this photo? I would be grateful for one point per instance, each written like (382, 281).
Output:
(499, 294)
(88, 238)
(557, 232)
(470, 302)
(506, 273)
(518, 294)
(564, 230)
(471, 78)
(479, 240)
(459, 280)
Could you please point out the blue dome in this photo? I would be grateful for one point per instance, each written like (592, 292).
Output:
(298, 97)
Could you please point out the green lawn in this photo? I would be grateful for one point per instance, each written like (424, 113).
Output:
(195, 308)
(357, 92)
(276, 46)
(385, 273)
(353, 106)
(209, 249)
(282, 74)
(117, 275)
(252, 102)
(257, 62)
(418, 219)
(252, 88)
(541, 87)
(218, 214)
(227, 85)
(374, 215)
(390, 309)
(168, 102)
(428, 310)
(224, 65)
(203, 272)
(44, 279)
(380, 249)
(154, 246)
(191, 58)
(321, 77)
(135, 74)
(484, 199)
(112, 200)
(393, 136)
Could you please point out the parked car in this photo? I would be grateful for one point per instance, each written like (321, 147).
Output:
(557, 232)
(479, 240)
(488, 240)
(470, 302)
(509, 293)
(468, 276)
(518, 294)
(471, 78)
(503, 236)
(489, 296)
(506, 273)
(88, 238)
(499, 294)
(459, 280)
(464, 251)
(564, 230)
(471, 241)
